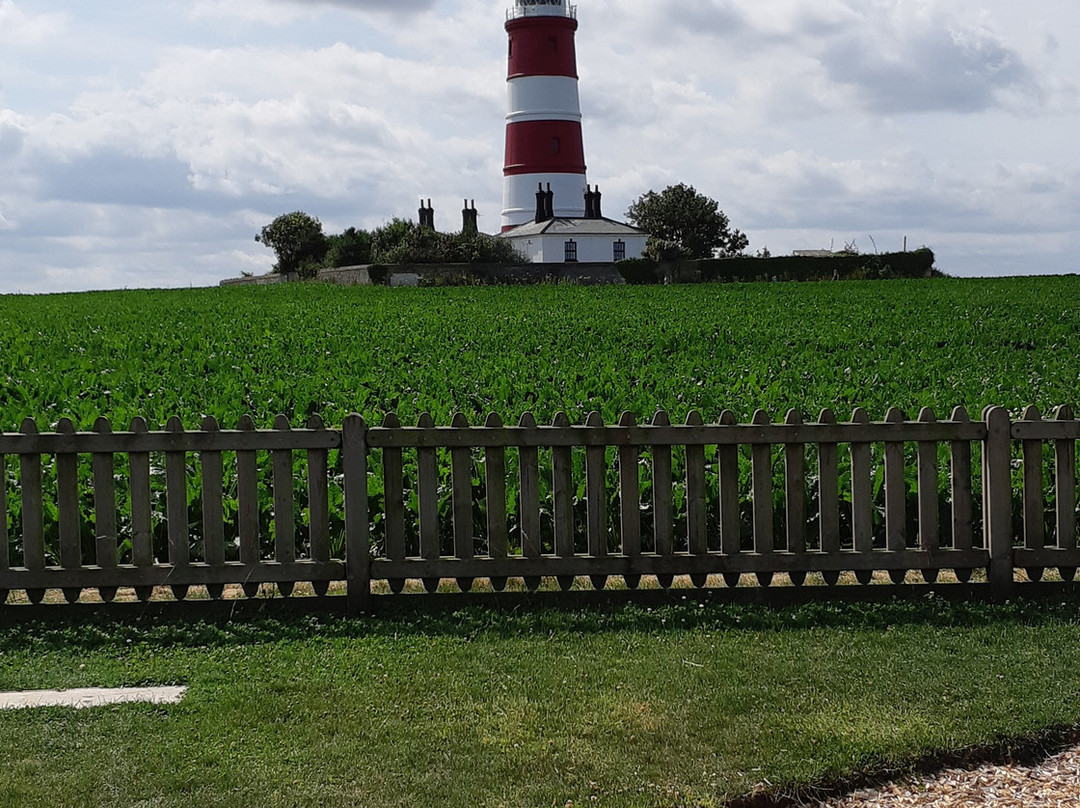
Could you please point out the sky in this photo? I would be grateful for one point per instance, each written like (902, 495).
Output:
(145, 144)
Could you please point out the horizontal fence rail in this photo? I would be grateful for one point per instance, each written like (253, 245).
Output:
(234, 511)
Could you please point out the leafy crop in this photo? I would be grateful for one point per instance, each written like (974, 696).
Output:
(302, 349)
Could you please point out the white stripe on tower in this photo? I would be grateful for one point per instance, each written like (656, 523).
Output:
(543, 121)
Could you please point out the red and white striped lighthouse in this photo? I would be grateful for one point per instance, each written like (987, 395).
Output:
(543, 122)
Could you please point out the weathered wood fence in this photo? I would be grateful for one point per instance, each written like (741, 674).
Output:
(708, 502)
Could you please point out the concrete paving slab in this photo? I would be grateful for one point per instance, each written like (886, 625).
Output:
(90, 697)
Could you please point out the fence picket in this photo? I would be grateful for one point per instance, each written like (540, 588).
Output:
(176, 506)
(927, 493)
(495, 491)
(142, 541)
(895, 495)
(697, 530)
(727, 460)
(1065, 492)
(67, 493)
(1034, 527)
(357, 538)
(5, 539)
(762, 491)
(247, 493)
(461, 499)
(629, 500)
(393, 503)
(562, 494)
(318, 505)
(529, 498)
(284, 505)
(104, 509)
(427, 473)
(213, 511)
(828, 497)
(32, 510)
(795, 496)
(960, 491)
(596, 499)
(862, 497)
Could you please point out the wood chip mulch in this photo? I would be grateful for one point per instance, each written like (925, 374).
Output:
(1051, 783)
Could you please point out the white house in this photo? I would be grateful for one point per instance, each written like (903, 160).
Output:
(550, 239)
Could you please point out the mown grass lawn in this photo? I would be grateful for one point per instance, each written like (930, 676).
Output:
(681, 705)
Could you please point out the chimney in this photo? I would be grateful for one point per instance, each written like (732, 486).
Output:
(468, 217)
(588, 203)
(541, 203)
(596, 204)
(427, 215)
(549, 203)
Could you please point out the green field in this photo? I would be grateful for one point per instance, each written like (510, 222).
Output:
(684, 705)
(300, 349)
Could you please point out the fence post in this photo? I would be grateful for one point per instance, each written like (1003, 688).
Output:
(997, 497)
(357, 545)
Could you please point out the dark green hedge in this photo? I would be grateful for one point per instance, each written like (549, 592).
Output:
(916, 264)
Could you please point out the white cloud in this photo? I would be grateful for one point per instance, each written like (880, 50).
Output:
(20, 29)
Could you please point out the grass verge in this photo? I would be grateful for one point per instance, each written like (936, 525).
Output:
(691, 704)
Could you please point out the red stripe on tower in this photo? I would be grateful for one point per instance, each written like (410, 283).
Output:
(543, 122)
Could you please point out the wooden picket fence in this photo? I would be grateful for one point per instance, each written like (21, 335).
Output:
(702, 503)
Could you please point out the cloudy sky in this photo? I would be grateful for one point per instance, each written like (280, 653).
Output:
(144, 144)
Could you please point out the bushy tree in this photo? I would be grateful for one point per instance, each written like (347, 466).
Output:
(348, 249)
(298, 241)
(405, 242)
(683, 223)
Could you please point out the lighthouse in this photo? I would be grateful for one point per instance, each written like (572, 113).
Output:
(544, 149)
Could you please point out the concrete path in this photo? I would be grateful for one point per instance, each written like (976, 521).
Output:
(91, 697)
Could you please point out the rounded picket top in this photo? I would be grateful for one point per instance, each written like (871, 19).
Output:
(561, 419)
(895, 415)
(960, 415)
(660, 418)
(727, 418)
(860, 416)
(459, 421)
(139, 425)
(281, 423)
(760, 418)
(1063, 413)
(826, 416)
(29, 426)
(425, 421)
(210, 424)
(174, 424)
(1031, 413)
(927, 415)
(627, 419)
(527, 420)
(246, 423)
(102, 425)
(793, 417)
(693, 418)
(65, 426)
(391, 421)
(315, 422)
(493, 421)
(594, 419)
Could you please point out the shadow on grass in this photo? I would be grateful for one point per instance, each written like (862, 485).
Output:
(164, 628)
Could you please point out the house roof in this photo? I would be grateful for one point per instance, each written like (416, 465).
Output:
(576, 226)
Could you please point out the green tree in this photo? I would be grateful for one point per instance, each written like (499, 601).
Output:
(298, 241)
(683, 223)
(348, 249)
